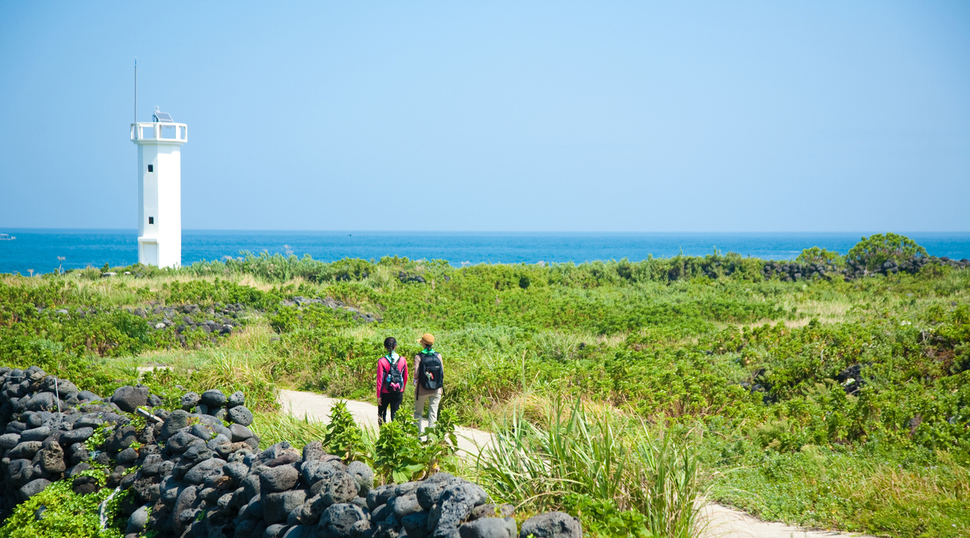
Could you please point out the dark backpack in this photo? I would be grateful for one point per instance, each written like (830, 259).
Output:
(393, 380)
(431, 374)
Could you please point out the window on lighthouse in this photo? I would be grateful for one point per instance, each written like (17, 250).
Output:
(151, 220)
(151, 168)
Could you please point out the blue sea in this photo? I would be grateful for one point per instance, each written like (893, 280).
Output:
(40, 249)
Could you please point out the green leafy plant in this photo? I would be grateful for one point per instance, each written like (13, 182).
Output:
(63, 513)
(602, 518)
(99, 436)
(344, 438)
(398, 452)
(401, 456)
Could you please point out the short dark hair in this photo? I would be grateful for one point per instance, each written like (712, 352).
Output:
(390, 343)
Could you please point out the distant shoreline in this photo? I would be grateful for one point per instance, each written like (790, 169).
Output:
(39, 249)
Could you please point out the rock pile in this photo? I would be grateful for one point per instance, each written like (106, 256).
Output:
(217, 320)
(793, 271)
(331, 303)
(53, 431)
(407, 277)
(186, 473)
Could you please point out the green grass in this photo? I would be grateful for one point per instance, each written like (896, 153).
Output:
(855, 491)
(273, 427)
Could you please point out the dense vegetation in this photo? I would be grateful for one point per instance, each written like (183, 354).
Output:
(827, 401)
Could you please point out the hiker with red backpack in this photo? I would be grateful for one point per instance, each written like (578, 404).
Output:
(430, 382)
(392, 377)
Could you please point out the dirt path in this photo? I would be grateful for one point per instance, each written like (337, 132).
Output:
(317, 407)
(726, 522)
(722, 521)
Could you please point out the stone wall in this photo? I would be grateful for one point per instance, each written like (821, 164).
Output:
(187, 474)
(794, 271)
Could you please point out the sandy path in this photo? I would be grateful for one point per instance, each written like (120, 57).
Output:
(723, 522)
(317, 407)
(726, 522)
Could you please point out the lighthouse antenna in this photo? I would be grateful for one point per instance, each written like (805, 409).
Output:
(136, 91)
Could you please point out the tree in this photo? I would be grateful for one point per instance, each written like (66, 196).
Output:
(877, 249)
(818, 255)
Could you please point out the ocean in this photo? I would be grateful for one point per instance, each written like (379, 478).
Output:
(40, 249)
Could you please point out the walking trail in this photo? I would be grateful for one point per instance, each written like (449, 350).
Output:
(722, 521)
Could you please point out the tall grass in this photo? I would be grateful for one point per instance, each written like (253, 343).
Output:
(596, 456)
(669, 477)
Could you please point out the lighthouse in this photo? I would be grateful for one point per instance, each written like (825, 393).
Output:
(159, 189)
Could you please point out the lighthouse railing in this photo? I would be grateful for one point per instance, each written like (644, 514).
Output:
(160, 131)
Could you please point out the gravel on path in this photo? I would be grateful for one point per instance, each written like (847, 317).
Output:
(722, 521)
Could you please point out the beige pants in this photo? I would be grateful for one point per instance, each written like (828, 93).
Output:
(433, 400)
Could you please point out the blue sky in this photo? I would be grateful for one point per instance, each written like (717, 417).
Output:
(518, 116)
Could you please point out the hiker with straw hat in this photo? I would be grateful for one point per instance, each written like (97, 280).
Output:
(429, 385)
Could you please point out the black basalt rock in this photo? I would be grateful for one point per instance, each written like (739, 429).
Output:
(338, 521)
(276, 479)
(491, 527)
(240, 415)
(129, 398)
(551, 525)
(213, 399)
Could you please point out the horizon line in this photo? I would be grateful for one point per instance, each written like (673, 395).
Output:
(493, 232)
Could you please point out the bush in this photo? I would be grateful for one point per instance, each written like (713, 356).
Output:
(221, 291)
(819, 255)
(873, 251)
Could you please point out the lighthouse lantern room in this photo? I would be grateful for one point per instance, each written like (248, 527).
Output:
(159, 189)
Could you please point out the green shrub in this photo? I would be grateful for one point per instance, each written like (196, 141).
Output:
(208, 293)
(313, 316)
(397, 453)
(344, 438)
(819, 255)
(602, 518)
(875, 250)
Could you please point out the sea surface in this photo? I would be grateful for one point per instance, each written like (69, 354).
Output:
(40, 249)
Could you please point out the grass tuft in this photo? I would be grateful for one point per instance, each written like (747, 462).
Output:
(596, 459)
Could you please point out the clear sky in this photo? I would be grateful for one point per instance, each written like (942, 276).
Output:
(519, 116)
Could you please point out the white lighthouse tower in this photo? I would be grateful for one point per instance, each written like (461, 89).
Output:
(159, 189)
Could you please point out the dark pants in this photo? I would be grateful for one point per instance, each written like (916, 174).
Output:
(388, 399)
